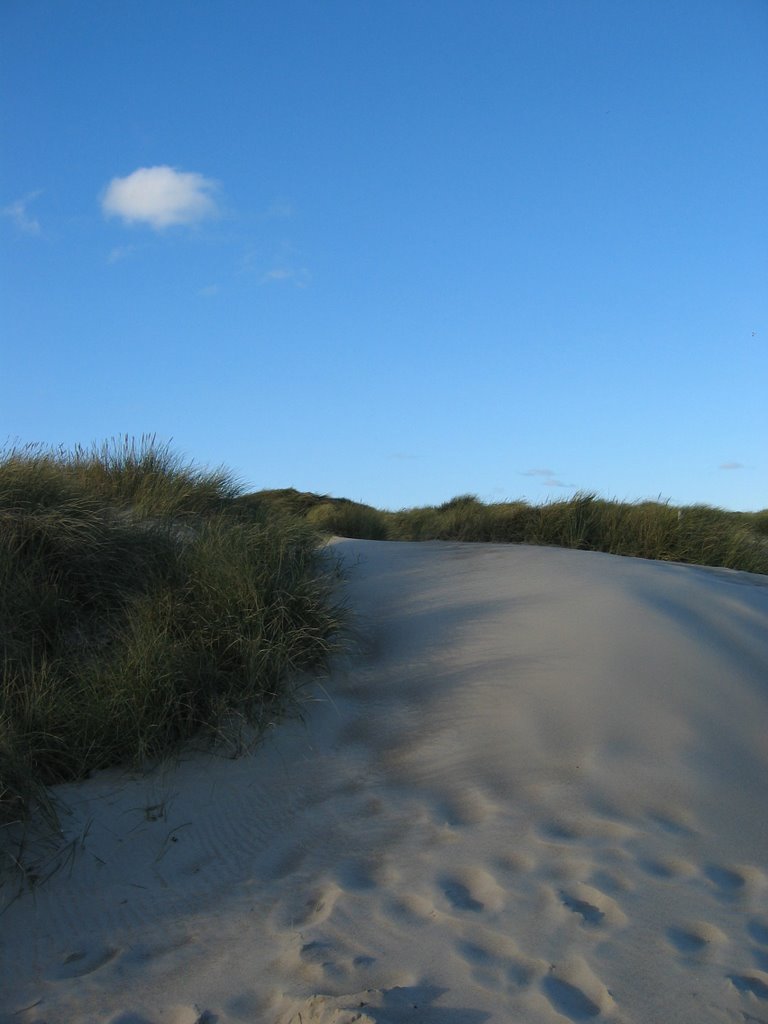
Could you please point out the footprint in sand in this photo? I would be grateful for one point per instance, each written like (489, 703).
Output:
(473, 889)
(335, 962)
(694, 940)
(564, 829)
(588, 911)
(495, 964)
(83, 962)
(758, 930)
(576, 992)
(569, 999)
(674, 824)
(412, 910)
(561, 830)
(459, 896)
(311, 908)
(357, 874)
(592, 906)
(143, 952)
(516, 863)
(612, 880)
(364, 962)
(316, 952)
(665, 868)
(729, 883)
(755, 984)
(468, 807)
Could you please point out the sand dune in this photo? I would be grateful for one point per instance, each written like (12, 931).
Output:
(535, 793)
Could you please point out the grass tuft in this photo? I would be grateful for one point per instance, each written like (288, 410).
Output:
(141, 604)
(348, 519)
(696, 534)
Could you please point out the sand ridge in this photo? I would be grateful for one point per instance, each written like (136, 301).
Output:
(534, 792)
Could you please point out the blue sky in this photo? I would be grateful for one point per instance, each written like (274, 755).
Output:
(394, 251)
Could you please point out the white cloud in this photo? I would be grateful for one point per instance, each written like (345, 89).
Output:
(538, 472)
(160, 197)
(17, 212)
(731, 465)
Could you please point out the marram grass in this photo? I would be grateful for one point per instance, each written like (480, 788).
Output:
(141, 605)
(696, 534)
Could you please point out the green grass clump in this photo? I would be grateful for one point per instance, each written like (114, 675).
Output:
(331, 516)
(149, 478)
(757, 521)
(139, 605)
(348, 519)
(697, 534)
(463, 518)
(284, 501)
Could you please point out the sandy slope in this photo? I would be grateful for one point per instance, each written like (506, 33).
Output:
(538, 793)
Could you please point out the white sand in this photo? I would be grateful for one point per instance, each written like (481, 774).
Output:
(537, 794)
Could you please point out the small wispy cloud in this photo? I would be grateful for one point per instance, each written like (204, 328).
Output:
(403, 456)
(209, 290)
(281, 266)
(17, 212)
(278, 274)
(731, 465)
(119, 253)
(299, 276)
(548, 477)
(160, 197)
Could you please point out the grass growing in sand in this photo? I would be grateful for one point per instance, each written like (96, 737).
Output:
(696, 534)
(143, 600)
(141, 603)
